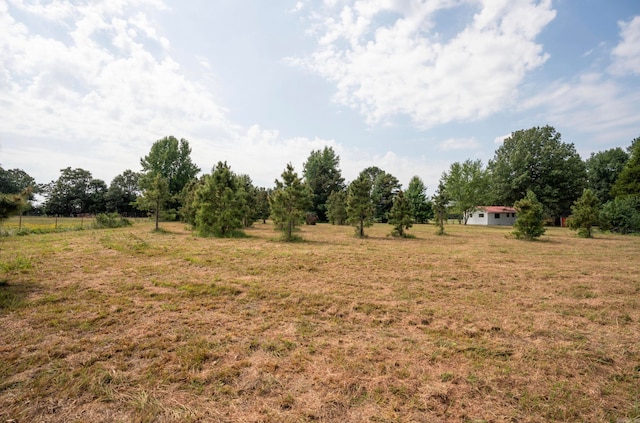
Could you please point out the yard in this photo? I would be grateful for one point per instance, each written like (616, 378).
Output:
(475, 326)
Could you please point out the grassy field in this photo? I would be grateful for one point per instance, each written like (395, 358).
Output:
(475, 326)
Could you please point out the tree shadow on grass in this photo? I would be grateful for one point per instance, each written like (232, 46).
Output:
(13, 296)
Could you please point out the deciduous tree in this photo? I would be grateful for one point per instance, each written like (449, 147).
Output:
(603, 169)
(122, 192)
(74, 192)
(171, 159)
(467, 186)
(537, 160)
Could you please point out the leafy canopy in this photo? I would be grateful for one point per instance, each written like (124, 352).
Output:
(537, 160)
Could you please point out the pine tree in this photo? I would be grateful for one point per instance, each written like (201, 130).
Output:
(337, 207)
(401, 215)
(530, 221)
(155, 194)
(585, 213)
(289, 202)
(440, 202)
(360, 207)
(219, 207)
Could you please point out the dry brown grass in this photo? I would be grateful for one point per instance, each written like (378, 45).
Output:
(475, 326)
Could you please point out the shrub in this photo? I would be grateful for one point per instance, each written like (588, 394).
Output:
(621, 215)
(110, 220)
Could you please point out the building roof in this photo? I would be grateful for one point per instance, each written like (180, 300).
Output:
(497, 209)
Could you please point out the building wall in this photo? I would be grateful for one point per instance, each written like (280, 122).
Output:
(480, 217)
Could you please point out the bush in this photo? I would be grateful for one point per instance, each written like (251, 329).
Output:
(110, 220)
(621, 215)
(311, 218)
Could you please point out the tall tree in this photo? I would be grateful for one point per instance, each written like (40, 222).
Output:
(585, 213)
(16, 181)
(171, 159)
(262, 204)
(440, 202)
(337, 207)
(467, 186)
(323, 176)
(416, 194)
(530, 221)
(289, 202)
(155, 196)
(628, 181)
(219, 207)
(360, 207)
(536, 159)
(401, 215)
(122, 192)
(603, 169)
(74, 192)
(384, 187)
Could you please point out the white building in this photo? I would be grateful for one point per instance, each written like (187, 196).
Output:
(492, 215)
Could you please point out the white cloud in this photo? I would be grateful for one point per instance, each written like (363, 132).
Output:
(459, 144)
(626, 55)
(500, 139)
(384, 66)
(101, 82)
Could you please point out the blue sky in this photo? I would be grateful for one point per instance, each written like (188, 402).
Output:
(406, 85)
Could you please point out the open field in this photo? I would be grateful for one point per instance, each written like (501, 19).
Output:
(475, 326)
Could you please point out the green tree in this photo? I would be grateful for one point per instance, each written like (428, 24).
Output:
(467, 186)
(122, 192)
(74, 192)
(218, 205)
(621, 215)
(262, 204)
(171, 159)
(416, 194)
(585, 213)
(155, 195)
(537, 160)
(401, 215)
(530, 221)
(289, 202)
(603, 169)
(628, 181)
(337, 207)
(440, 203)
(17, 181)
(384, 187)
(360, 207)
(10, 204)
(323, 176)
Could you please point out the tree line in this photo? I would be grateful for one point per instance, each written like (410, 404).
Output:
(533, 165)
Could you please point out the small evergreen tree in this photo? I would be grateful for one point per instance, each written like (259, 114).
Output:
(585, 214)
(289, 202)
(337, 207)
(401, 215)
(530, 221)
(420, 205)
(440, 202)
(219, 208)
(262, 204)
(360, 209)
